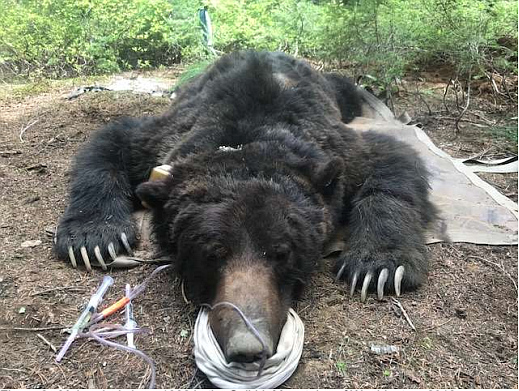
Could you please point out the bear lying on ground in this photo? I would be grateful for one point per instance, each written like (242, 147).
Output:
(264, 172)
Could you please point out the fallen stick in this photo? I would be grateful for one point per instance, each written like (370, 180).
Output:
(62, 288)
(24, 129)
(404, 312)
(47, 342)
(32, 328)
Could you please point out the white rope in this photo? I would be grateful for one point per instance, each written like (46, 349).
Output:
(278, 368)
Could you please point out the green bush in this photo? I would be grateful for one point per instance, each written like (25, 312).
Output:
(384, 38)
(67, 37)
(387, 37)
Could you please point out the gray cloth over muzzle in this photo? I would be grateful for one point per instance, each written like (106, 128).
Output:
(278, 368)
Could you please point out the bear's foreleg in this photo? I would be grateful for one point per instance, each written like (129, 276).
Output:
(389, 214)
(97, 223)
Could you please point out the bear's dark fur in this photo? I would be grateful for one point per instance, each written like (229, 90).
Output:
(264, 172)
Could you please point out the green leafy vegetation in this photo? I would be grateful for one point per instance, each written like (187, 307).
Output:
(507, 131)
(192, 71)
(341, 367)
(69, 37)
(427, 343)
(383, 38)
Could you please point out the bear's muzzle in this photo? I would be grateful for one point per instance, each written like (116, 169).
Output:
(251, 287)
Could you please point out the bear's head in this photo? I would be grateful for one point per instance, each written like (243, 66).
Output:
(240, 234)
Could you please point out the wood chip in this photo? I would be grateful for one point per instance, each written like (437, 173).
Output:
(412, 376)
(30, 243)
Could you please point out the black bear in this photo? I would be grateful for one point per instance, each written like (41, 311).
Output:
(264, 172)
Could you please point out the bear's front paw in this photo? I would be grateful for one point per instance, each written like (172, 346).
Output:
(93, 240)
(382, 272)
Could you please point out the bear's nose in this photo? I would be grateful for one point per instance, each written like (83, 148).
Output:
(245, 347)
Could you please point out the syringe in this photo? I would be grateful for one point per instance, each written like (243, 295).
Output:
(130, 324)
(86, 315)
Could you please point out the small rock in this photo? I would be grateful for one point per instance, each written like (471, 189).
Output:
(30, 243)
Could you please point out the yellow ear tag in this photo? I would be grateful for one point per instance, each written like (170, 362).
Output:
(158, 173)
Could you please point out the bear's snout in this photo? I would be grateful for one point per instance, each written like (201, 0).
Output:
(244, 346)
(252, 288)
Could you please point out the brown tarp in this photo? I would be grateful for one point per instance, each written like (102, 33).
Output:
(473, 210)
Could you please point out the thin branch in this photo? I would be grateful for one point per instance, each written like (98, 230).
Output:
(404, 312)
(457, 124)
(62, 288)
(445, 95)
(487, 121)
(455, 86)
(9, 153)
(30, 329)
(436, 326)
(14, 370)
(464, 120)
(22, 131)
(423, 100)
(47, 342)
(500, 267)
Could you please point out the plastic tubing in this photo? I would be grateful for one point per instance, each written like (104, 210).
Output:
(85, 316)
(93, 333)
(251, 328)
(122, 302)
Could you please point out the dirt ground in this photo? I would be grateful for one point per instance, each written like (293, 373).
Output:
(465, 316)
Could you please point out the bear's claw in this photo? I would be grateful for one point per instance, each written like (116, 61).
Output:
(353, 281)
(381, 282)
(126, 245)
(399, 274)
(115, 260)
(111, 251)
(86, 260)
(382, 278)
(365, 285)
(99, 257)
(72, 257)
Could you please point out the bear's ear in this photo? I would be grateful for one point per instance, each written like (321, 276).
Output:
(325, 175)
(153, 194)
